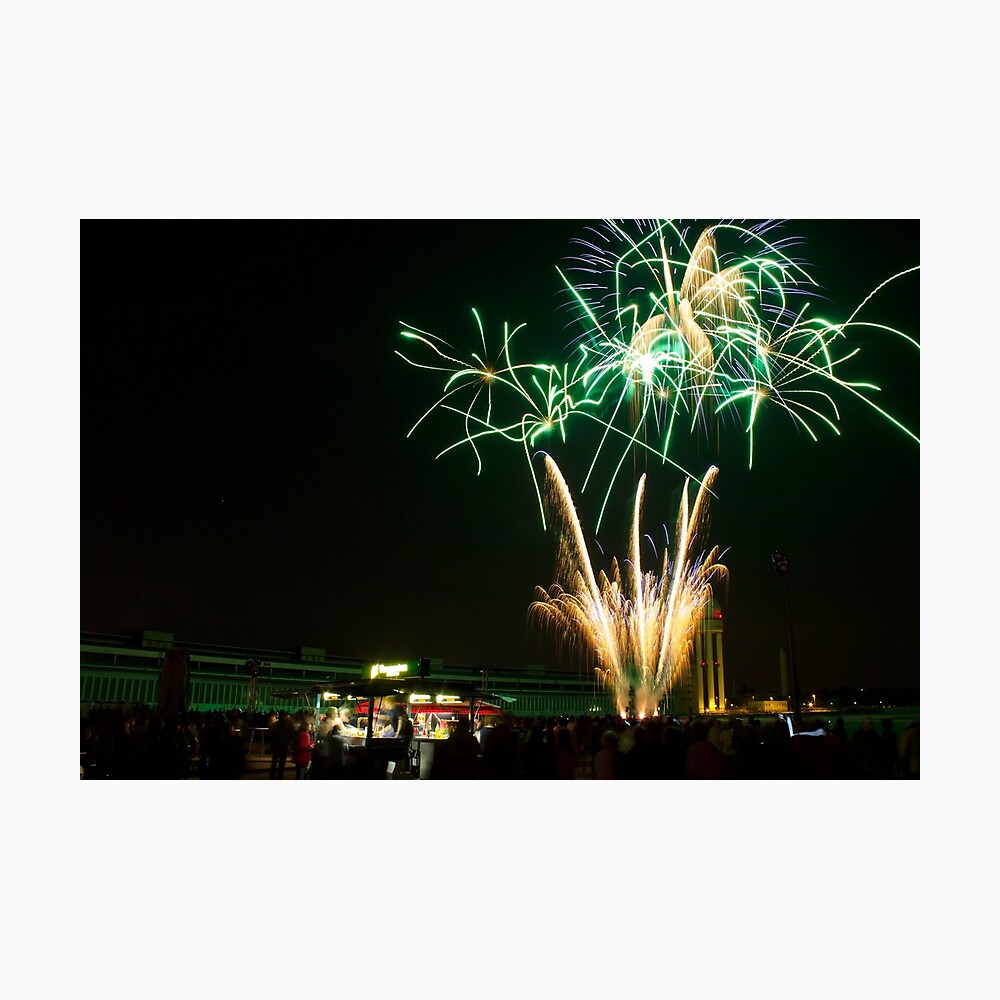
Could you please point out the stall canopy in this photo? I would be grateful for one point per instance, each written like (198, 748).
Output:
(373, 695)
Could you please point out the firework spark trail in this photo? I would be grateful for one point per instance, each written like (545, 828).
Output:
(657, 354)
(638, 631)
(547, 397)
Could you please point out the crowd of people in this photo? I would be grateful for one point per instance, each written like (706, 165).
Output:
(696, 748)
(136, 742)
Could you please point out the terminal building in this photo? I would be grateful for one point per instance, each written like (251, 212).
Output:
(155, 668)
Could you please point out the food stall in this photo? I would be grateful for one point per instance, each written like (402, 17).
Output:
(433, 706)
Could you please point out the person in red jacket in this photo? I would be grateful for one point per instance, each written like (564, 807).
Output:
(302, 751)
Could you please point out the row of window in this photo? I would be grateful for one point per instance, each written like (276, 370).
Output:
(210, 695)
(114, 688)
(117, 689)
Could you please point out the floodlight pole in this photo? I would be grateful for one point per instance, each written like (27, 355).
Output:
(781, 568)
(254, 668)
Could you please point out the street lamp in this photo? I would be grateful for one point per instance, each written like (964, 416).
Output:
(781, 568)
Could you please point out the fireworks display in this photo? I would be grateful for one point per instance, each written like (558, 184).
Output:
(638, 627)
(671, 336)
(675, 331)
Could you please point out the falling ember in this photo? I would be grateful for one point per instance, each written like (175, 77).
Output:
(637, 630)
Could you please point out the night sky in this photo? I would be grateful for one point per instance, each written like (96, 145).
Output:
(246, 476)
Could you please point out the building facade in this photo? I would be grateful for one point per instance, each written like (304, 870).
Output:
(154, 668)
(701, 690)
(119, 670)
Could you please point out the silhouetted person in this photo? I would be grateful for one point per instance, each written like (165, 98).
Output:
(866, 751)
(404, 734)
(839, 750)
(337, 740)
(132, 744)
(282, 734)
(538, 757)
(607, 760)
(458, 756)
(704, 760)
(168, 751)
(809, 755)
(674, 749)
(321, 751)
(715, 733)
(214, 736)
(638, 761)
(731, 734)
(909, 751)
(890, 750)
(501, 751)
(774, 751)
(565, 757)
(235, 748)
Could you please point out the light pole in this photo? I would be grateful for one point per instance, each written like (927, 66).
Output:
(781, 568)
(253, 666)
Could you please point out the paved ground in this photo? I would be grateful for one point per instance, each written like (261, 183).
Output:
(257, 768)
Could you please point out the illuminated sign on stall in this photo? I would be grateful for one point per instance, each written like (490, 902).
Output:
(390, 670)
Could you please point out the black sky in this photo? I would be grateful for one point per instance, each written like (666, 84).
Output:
(247, 479)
